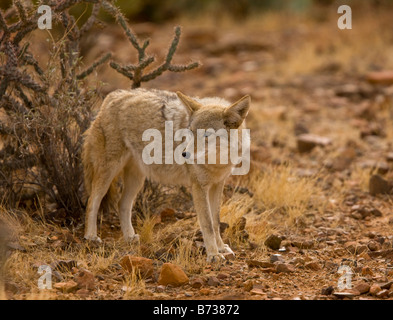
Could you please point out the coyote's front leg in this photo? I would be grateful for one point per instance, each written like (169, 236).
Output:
(202, 207)
(215, 194)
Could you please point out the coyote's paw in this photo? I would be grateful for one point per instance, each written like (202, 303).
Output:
(94, 239)
(134, 239)
(226, 249)
(214, 258)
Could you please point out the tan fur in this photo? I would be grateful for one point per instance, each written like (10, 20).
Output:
(113, 145)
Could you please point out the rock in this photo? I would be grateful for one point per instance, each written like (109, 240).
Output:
(386, 285)
(346, 294)
(268, 270)
(374, 245)
(259, 264)
(168, 214)
(258, 291)
(378, 185)
(308, 244)
(273, 242)
(229, 256)
(389, 157)
(222, 276)
(85, 279)
(276, 257)
(380, 77)
(354, 247)
(248, 285)
(205, 291)
(197, 283)
(327, 291)
(83, 293)
(160, 289)
(344, 159)
(213, 281)
(284, 268)
(362, 287)
(223, 227)
(172, 274)
(240, 224)
(297, 261)
(366, 271)
(306, 142)
(313, 265)
(66, 287)
(374, 289)
(140, 265)
(382, 294)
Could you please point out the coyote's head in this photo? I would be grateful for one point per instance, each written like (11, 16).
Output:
(215, 131)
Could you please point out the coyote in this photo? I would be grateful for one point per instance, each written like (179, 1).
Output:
(113, 145)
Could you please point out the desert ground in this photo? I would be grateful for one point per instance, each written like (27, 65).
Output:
(316, 201)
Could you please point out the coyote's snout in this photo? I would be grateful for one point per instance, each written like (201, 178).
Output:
(116, 142)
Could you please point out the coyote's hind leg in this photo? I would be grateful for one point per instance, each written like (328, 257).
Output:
(133, 181)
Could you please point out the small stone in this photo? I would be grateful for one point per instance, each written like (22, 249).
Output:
(327, 291)
(229, 256)
(268, 270)
(297, 261)
(205, 291)
(197, 283)
(362, 287)
(168, 214)
(346, 294)
(382, 294)
(85, 279)
(140, 265)
(66, 287)
(284, 268)
(313, 265)
(378, 185)
(308, 244)
(389, 157)
(223, 227)
(273, 242)
(276, 257)
(222, 276)
(257, 291)
(307, 142)
(248, 285)
(374, 245)
(188, 294)
(366, 271)
(259, 264)
(213, 281)
(84, 293)
(374, 289)
(355, 248)
(384, 77)
(172, 274)
(160, 288)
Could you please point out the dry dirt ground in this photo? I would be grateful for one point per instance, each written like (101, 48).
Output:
(304, 211)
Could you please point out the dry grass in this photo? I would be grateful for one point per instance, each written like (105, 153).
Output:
(281, 198)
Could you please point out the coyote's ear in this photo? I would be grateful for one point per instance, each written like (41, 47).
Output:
(235, 114)
(191, 104)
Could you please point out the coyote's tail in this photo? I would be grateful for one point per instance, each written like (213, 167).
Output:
(109, 202)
